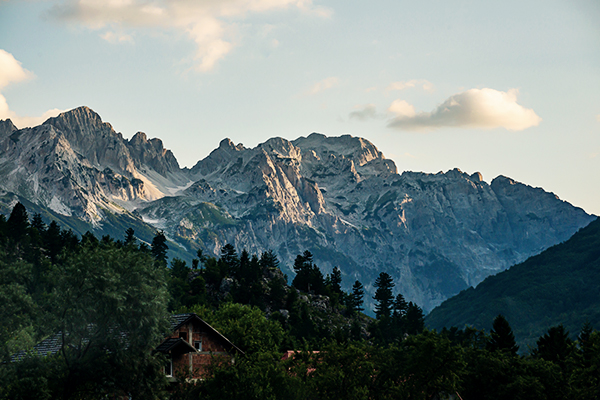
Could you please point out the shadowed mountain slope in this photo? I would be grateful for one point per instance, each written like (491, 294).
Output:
(558, 286)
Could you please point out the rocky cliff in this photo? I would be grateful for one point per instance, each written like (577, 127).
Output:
(335, 196)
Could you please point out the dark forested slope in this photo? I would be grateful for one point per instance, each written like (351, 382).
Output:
(559, 286)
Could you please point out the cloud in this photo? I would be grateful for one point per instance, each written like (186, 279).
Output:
(209, 23)
(11, 71)
(325, 84)
(402, 109)
(474, 108)
(365, 112)
(401, 85)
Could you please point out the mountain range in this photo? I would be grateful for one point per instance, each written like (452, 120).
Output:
(338, 197)
(557, 286)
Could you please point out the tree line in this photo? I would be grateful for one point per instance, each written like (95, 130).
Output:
(93, 293)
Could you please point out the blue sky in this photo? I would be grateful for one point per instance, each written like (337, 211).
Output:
(504, 88)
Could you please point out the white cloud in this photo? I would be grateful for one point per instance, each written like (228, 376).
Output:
(475, 108)
(325, 84)
(402, 109)
(209, 23)
(401, 85)
(11, 71)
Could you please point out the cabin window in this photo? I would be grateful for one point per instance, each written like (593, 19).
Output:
(169, 368)
(198, 345)
(183, 335)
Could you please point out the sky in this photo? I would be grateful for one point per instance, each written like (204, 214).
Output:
(502, 88)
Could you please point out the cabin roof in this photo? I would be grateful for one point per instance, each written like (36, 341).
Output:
(178, 320)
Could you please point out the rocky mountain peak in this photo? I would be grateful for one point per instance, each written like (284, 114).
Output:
(95, 140)
(6, 128)
(152, 154)
(80, 121)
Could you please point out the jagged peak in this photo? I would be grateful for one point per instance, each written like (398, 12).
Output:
(7, 128)
(346, 145)
(81, 121)
(227, 144)
(81, 113)
(503, 180)
(139, 137)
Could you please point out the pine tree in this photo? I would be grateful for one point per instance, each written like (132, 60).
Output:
(414, 319)
(555, 346)
(18, 222)
(38, 223)
(357, 296)
(502, 338)
(383, 295)
(159, 248)
(336, 280)
(400, 306)
(129, 237)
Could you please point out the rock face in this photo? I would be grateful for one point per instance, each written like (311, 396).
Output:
(338, 197)
(77, 165)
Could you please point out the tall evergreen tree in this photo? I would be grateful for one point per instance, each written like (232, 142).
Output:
(383, 295)
(229, 263)
(38, 223)
(400, 306)
(18, 222)
(357, 296)
(502, 337)
(555, 346)
(159, 248)
(129, 237)
(309, 277)
(336, 281)
(414, 320)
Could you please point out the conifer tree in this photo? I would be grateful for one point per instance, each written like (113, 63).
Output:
(383, 295)
(336, 280)
(159, 248)
(357, 296)
(38, 223)
(400, 306)
(18, 222)
(555, 346)
(414, 319)
(129, 236)
(502, 338)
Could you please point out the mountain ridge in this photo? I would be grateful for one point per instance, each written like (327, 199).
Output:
(338, 197)
(557, 286)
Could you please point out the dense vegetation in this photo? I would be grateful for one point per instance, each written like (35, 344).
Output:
(558, 286)
(108, 302)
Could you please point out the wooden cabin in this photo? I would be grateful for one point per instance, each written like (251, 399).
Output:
(192, 346)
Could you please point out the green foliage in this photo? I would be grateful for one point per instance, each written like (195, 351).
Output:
(108, 300)
(248, 328)
(558, 286)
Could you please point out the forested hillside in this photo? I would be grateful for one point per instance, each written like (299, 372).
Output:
(109, 301)
(558, 286)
